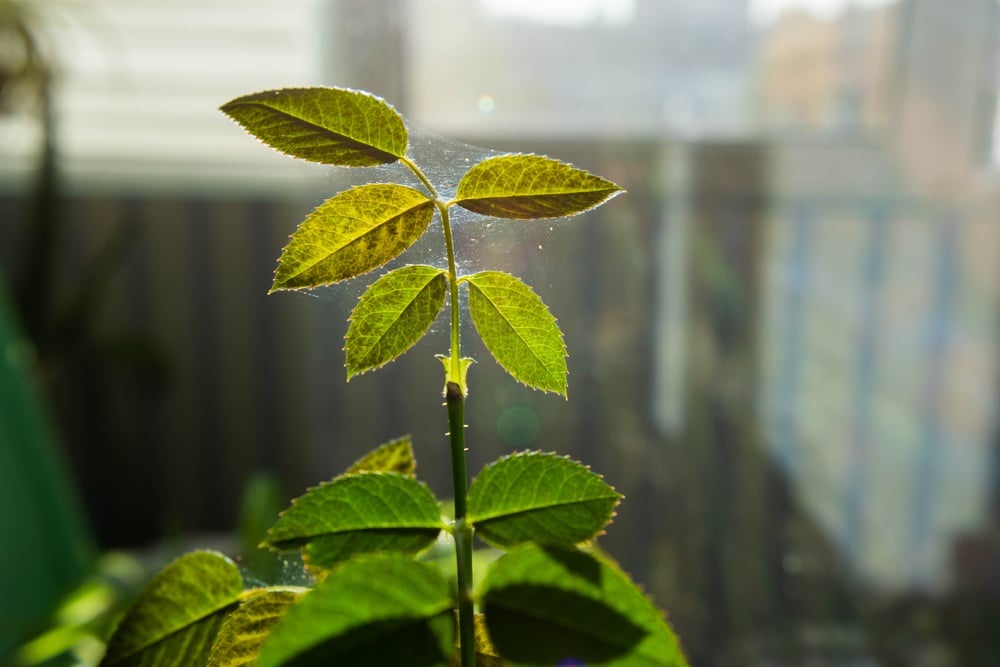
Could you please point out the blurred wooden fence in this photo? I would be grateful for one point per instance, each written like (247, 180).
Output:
(184, 378)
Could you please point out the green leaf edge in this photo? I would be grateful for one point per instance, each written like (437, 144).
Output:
(370, 560)
(482, 523)
(437, 273)
(563, 387)
(531, 454)
(655, 612)
(251, 597)
(112, 657)
(480, 204)
(267, 544)
(287, 283)
(369, 462)
(376, 155)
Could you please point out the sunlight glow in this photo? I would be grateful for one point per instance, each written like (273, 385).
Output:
(570, 13)
(766, 11)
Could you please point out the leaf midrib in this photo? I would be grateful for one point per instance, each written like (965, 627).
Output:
(532, 195)
(516, 331)
(554, 619)
(395, 321)
(354, 239)
(367, 148)
(305, 539)
(537, 508)
(142, 647)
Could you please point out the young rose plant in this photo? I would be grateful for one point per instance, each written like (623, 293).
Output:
(550, 599)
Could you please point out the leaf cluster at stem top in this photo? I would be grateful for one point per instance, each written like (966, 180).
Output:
(368, 226)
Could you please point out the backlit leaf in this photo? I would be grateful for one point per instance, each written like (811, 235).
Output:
(175, 618)
(518, 330)
(530, 186)
(359, 513)
(392, 315)
(325, 552)
(245, 629)
(326, 125)
(352, 233)
(541, 498)
(549, 606)
(393, 456)
(369, 612)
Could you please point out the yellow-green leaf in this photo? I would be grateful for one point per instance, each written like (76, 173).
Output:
(362, 512)
(392, 315)
(530, 186)
(352, 233)
(539, 497)
(176, 616)
(245, 629)
(393, 456)
(518, 330)
(326, 125)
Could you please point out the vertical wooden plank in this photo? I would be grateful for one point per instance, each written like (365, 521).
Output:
(171, 286)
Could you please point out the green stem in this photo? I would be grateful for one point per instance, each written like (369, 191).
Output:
(455, 400)
(455, 365)
(420, 175)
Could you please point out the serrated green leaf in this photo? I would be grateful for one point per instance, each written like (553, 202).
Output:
(530, 186)
(393, 456)
(189, 646)
(540, 498)
(359, 513)
(518, 330)
(245, 629)
(369, 612)
(176, 616)
(326, 125)
(548, 606)
(392, 315)
(352, 233)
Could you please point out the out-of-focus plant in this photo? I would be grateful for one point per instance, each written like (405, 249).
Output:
(80, 625)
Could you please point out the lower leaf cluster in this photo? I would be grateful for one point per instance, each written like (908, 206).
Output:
(549, 600)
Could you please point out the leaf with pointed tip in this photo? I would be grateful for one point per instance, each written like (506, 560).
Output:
(541, 498)
(526, 187)
(369, 612)
(352, 233)
(392, 315)
(518, 330)
(393, 456)
(358, 513)
(549, 606)
(326, 125)
(175, 618)
(246, 628)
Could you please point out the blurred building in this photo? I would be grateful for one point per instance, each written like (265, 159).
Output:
(880, 282)
(829, 74)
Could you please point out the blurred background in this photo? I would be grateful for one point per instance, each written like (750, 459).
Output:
(783, 340)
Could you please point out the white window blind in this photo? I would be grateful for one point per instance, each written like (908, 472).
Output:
(140, 82)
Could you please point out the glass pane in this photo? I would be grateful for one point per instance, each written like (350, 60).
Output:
(783, 343)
